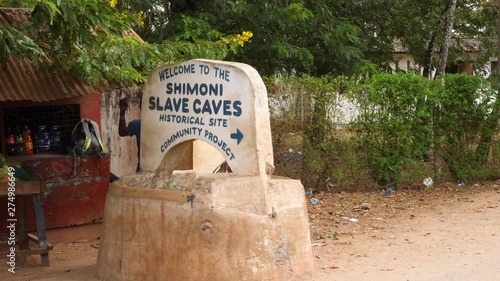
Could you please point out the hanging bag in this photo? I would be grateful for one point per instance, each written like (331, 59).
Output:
(86, 140)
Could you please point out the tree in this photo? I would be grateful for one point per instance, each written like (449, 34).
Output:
(92, 39)
(449, 17)
(420, 27)
(303, 36)
(308, 37)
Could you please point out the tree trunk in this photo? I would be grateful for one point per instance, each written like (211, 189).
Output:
(432, 42)
(449, 18)
(428, 57)
(446, 26)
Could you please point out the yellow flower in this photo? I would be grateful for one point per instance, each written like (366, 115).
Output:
(238, 39)
(247, 34)
(140, 18)
(113, 3)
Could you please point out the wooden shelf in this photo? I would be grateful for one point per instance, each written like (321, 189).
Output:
(18, 160)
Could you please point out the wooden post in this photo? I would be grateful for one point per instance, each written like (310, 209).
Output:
(40, 227)
(22, 219)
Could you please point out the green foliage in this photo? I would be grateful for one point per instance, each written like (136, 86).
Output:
(412, 24)
(92, 39)
(306, 37)
(394, 122)
(197, 28)
(303, 37)
(297, 12)
(14, 42)
(304, 117)
(407, 128)
(125, 60)
(465, 103)
(70, 26)
(316, 145)
(404, 116)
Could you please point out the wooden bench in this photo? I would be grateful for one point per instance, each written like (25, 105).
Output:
(25, 190)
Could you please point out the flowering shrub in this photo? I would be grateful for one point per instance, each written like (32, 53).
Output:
(238, 39)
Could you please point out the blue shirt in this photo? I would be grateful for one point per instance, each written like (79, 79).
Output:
(134, 129)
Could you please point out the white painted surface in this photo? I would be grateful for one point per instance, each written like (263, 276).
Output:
(123, 150)
(221, 103)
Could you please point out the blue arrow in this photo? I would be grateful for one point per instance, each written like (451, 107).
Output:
(237, 136)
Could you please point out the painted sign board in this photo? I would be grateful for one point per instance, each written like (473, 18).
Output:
(221, 103)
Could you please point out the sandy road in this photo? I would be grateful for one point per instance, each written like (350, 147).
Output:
(458, 242)
(450, 236)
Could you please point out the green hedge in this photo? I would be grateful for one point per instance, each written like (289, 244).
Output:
(407, 128)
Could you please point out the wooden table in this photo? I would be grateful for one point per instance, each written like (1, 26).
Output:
(24, 190)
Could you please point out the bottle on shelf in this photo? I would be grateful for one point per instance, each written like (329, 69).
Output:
(42, 140)
(19, 145)
(56, 144)
(11, 142)
(28, 141)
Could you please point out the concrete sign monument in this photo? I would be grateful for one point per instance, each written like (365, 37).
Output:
(221, 103)
(166, 225)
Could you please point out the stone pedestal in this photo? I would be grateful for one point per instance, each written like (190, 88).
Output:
(231, 231)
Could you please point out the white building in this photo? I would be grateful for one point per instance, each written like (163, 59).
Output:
(405, 62)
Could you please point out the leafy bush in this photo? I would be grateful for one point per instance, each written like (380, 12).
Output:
(404, 128)
(394, 124)
(465, 103)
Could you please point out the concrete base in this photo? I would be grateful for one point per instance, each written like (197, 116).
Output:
(237, 228)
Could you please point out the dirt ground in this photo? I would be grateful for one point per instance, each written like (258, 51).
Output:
(441, 233)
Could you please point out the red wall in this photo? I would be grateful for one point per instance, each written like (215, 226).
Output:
(67, 198)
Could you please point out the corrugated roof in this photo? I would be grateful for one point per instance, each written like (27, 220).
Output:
(20, 80)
